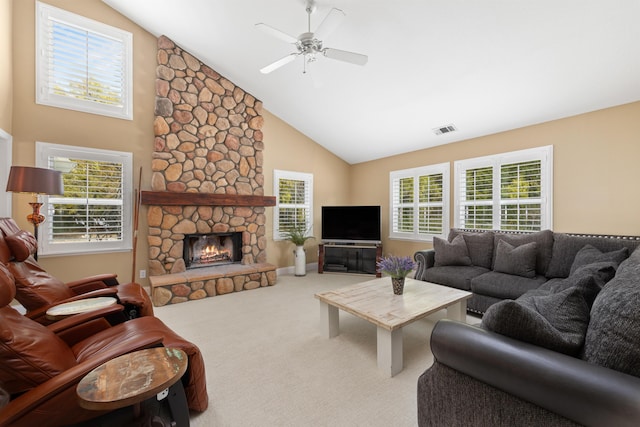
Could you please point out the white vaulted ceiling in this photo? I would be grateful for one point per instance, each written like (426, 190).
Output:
(484, 66)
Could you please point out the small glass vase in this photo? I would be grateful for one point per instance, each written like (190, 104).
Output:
(398, 285)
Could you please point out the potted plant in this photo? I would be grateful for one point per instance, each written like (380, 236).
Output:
(298, 235)
(398, 268)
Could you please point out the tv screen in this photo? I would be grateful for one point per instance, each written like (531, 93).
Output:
(351, 224)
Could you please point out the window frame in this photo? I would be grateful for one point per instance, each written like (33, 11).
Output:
(46, 13)
(46, 150)
(415, 174)
(279, 175)
(543, 154)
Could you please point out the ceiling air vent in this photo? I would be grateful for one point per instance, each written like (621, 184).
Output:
(444, 129)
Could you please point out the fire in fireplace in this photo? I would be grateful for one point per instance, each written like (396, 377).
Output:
(203, 250)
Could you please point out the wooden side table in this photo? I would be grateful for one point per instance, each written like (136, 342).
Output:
(132, 378)
(70, 308)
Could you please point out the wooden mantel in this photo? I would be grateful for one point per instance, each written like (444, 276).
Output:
(168, 198)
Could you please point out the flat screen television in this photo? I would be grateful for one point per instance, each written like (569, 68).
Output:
(351, 224)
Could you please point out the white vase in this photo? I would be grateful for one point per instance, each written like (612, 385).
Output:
(300, 261)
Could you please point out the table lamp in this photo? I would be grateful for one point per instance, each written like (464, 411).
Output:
(25, 179)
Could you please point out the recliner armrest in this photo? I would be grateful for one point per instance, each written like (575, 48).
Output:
(90, 283)
(425, 259)
(586, 393)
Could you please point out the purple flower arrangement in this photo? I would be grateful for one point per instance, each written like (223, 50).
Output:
(396, 266)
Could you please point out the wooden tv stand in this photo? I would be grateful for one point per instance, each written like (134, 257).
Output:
(355, 258)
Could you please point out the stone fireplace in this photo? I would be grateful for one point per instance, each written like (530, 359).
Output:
(207, 184)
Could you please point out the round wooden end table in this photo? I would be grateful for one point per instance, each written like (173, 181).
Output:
(131, 378)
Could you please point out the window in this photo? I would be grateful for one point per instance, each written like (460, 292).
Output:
(420, 202)
(294, 202)
(82, 64)
(510, 191)
(94, 214)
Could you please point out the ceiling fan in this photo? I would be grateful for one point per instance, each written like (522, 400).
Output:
(310, 44)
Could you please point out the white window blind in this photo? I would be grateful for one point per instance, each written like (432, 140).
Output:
(419, 202)
(82, 64)
(294, 202)
(510, 191)
(94, 214)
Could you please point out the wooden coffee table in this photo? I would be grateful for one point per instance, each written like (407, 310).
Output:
(375, 302)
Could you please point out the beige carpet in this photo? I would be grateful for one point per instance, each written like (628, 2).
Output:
(267, 364)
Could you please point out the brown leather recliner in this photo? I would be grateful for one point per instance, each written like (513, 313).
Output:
(37, 290)
(40, 366)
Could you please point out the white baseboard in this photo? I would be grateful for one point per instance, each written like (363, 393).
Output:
(313, 266)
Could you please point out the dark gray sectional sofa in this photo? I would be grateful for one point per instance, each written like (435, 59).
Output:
(494, 273)
(564, 353)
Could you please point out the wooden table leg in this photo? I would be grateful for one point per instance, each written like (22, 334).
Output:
(458, 311)
(390, 355)
(329, 320)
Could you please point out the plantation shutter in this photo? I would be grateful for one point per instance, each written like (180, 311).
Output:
(476, 198)
(91, 208)
(419, 202)
(520, 198)
(294, 205)
(510, 191)
(403, 196)
(83, 64)
(430, 204)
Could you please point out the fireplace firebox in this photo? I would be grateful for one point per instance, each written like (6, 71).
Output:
(205, 250)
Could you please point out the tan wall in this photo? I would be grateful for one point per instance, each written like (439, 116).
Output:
(287, 149)
(595, 171)
(6, 77)
(32, 122)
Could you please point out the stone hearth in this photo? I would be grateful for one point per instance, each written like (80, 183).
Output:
(208, 142)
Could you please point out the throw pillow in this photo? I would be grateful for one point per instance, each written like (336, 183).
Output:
(519, 260)
(557, 321)
(22, 244)
(454, 253)
(590, 254)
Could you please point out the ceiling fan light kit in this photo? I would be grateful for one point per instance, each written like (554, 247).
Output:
(309, 44)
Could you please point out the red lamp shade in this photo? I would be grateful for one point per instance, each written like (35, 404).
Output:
(25, 179)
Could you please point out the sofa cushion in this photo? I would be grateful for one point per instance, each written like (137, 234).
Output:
(557, 321)
(613, 335)
(602, 272)
(480, 246)
(454, 253)
(455, 276)
(518, 260)
(565, 248)
(589, 255)
(502, 285)
(544, 245)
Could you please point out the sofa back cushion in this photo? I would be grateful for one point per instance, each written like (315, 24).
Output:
(565, 248)
(613, 334)
(479, 245)
(544, 244)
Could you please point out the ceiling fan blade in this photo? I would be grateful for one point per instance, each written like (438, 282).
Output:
(279, 63)
(343, 55)
(330, 23)
(274, 32)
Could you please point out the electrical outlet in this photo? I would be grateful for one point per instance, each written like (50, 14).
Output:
(143, 274)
